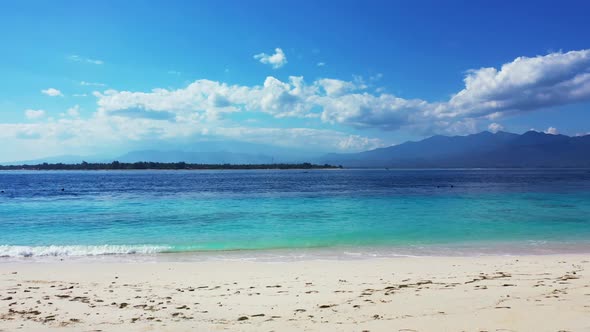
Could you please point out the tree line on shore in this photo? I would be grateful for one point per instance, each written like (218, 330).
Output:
(116, 165)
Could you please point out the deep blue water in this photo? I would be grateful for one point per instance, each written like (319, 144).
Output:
(101, 212)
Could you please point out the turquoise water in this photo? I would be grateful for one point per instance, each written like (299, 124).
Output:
(153, 211)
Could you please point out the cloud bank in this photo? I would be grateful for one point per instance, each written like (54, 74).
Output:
(523, 85)
(204, 108)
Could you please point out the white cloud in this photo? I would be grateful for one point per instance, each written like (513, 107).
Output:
(34, 114)
(552, 131)
(276, 60)
(301, 138)
(321, 64)
(359, 81)
(526, 84)
(52, 92)
(84, 83)
(495, 127)
(334, 87)
(429, 126)
(494, 116)
(77, 58)
(331, 100)
(80, 95)
(281, 99)
(199, 97)
(205, 107)
(74, 111)
(210, 98)
(366, 110)
(69, 134)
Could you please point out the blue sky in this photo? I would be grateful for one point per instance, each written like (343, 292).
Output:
(106, 77)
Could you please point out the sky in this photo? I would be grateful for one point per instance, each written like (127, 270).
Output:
(108, 77)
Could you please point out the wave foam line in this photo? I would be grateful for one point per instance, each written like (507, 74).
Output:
(40, 251)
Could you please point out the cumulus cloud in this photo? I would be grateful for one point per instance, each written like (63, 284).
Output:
(206, 97)
(206, 107)
(495, 127)
(334, 87)
(552, 131)
(330, 100)
(52, 92)
(34, 114)
(525, 84)
(321, 64)
(276, 60)
(364, 110)
(78, 58)
(202, 96)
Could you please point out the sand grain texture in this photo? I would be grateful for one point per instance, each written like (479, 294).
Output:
(517, 293)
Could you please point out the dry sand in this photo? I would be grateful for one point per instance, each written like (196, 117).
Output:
(517, 293)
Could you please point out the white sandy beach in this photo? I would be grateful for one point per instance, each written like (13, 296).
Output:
(492, 293)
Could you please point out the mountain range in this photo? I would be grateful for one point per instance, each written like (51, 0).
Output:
(207, 152)
(485, 149)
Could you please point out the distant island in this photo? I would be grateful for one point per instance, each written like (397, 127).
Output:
(115, 165)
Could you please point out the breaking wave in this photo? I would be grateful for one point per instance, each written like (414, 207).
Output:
(56, 251)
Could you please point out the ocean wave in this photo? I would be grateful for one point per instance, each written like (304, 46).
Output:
(56, 251)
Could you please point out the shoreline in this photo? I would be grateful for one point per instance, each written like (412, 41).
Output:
(134, 254)
(517, 293)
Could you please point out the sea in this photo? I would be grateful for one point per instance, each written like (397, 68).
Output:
(292, 214)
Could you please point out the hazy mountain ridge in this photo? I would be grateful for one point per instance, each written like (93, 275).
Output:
(211, 152)
(65, 159)
(485, 149)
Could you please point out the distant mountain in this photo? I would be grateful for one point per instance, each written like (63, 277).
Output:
(66, 159)
(485, 149)
(207, 152)
(222, 153)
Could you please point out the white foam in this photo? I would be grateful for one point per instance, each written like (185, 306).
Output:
(44, 251)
